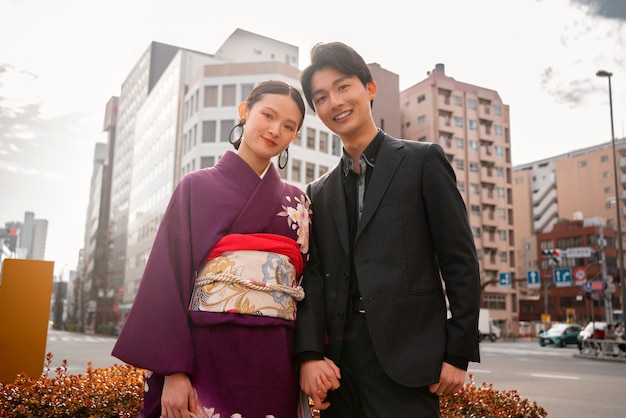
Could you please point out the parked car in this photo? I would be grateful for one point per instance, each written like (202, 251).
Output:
(560, 335)
(592, 330)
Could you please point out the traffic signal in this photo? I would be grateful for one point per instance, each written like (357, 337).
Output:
(553, 256)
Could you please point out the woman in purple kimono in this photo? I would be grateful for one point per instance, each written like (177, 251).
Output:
(213, 320)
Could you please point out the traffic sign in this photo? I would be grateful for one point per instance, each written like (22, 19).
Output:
(580, 274)
(533, 279)
(592, 285)
(505, 279)
(578, 252)
(562, 276)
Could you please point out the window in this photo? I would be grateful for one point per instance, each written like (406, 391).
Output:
(607, 190)
(228, 95)
(460, 185)
(445, 138)
(473, 145)
(225, 127)
(501, 213)
(460, 164)
(471, 103)
(336, 145)
(458, 121)
(323, 142)
(473, 166)
(206, 162)
(421, 98)
(295, 170)
(502, 234)
(246, 88)
(210, 96)
(421, 120)
(208, 130)
(474, 188)
(459, 143)
(497, 130)
(310, 173)
(475, 210)
(421, 139)
(458, 101)
(497, 110)
(476, 232)
(322, 169)
(499, 151)
(472, 125)
(604, 158)
(606, 174)
(582, 164)
(500, 192)
(310, 139)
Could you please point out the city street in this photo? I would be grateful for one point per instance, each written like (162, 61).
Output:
(564, 385)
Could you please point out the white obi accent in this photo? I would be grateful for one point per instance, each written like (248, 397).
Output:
(248, 282)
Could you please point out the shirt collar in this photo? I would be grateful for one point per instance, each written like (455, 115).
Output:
(369, 154)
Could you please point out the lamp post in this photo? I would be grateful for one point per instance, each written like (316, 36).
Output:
(604, 73)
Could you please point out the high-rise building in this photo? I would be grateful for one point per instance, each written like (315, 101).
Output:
(472, 125)
(569, 187)
(32, 238)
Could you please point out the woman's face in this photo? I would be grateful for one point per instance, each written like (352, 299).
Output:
(271, 124)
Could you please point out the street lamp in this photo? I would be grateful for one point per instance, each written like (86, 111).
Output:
(604, 73)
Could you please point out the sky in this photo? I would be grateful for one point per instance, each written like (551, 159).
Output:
(61, 61)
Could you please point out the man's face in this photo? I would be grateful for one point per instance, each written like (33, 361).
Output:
(342, 102)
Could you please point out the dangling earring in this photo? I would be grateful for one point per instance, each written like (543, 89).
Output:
(237, 142)
(284, 164)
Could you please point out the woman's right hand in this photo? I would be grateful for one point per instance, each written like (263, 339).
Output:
(179, 398)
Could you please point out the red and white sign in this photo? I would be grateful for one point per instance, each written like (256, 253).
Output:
(580, 274)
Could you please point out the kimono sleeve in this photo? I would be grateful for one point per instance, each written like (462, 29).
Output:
(156, 335)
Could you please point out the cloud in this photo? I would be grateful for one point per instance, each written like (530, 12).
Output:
(610, 9)
(591, 37)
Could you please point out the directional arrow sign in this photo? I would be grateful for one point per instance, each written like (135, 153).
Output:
(505, 279)
(532, 279)
(562, 276)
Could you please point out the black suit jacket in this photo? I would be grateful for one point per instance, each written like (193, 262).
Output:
(413, 233)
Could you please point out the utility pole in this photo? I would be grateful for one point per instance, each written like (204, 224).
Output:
(608, 308)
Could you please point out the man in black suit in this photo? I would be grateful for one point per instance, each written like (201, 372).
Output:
(390, 242)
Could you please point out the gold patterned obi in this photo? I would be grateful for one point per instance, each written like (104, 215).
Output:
(248, 282)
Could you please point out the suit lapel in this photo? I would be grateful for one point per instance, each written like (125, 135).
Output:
(336, 205)
(387, 161)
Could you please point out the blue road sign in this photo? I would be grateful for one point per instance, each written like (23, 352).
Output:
(532, 278)
(505, 279)
(562, 276)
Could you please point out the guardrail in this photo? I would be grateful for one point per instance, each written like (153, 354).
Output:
(604, 349)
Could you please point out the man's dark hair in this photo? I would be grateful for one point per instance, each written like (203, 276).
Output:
(336, 55)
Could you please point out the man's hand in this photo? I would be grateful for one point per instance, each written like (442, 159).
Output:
(317, 377)
(451, 380)
(179, 398)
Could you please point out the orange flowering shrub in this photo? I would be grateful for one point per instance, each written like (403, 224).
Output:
(117, 391)
(485, 401)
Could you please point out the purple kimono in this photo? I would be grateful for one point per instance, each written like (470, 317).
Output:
(238, 363)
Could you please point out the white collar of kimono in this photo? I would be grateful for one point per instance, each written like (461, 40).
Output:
(265, 171)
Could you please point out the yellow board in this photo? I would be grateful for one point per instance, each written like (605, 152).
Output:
(25, 293)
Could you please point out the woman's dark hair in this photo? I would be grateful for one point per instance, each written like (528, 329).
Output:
(270, 87)
(276, 87)
(336, 55)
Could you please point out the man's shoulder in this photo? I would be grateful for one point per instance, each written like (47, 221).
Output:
(412, 145)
